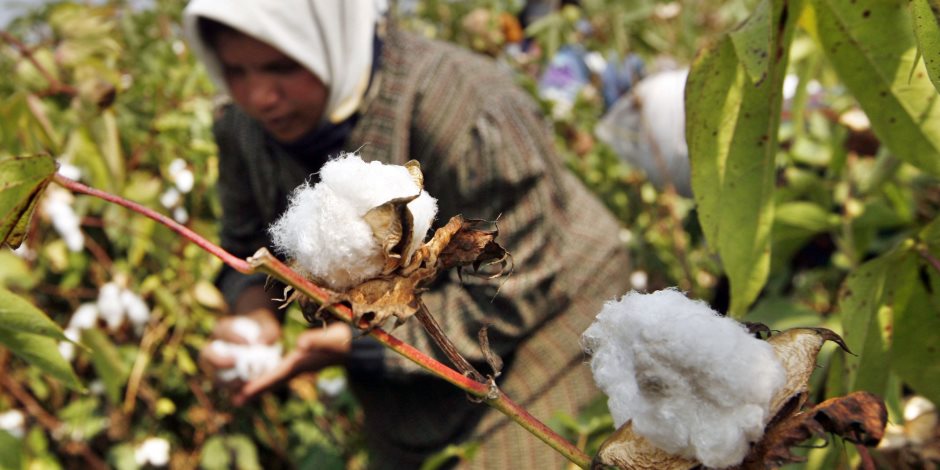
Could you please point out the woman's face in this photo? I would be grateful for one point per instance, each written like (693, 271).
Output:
(286, 98)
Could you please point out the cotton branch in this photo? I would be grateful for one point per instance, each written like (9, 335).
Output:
(264, 261)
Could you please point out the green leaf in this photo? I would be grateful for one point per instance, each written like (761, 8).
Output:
(11, 452)
(751, 40)
(22, 181)
(871, 45)
(915, 355)
(108, 363)
(17, 314)
(927, 31)
(871, 298)
(41, 352)
(732, 134)
(219, 451)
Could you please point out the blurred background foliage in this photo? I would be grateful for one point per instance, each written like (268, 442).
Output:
(113, 92)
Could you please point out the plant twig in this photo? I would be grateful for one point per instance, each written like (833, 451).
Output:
(54, 84)
(264, 261)
(228, 258)
(447, 346)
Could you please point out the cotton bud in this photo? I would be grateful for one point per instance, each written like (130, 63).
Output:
(13, 422)
(357, 220)
(153, 451)
(252, 359)
(694, 384)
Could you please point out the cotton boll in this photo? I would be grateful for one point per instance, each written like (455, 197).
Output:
(153, 451)
(331, 386)
(327, 239)
(181, 215)
(110, 307)
(85, 317)
(67, 350)
(694, 383)
(184, 181)
(69, 171)
(136, 309)
(170, 198)
(323, 229)
(13, 422)
(58, 207)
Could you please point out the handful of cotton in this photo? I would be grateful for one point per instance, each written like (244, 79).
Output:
(252, 359)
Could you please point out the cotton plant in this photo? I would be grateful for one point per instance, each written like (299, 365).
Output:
(252, 358)
(687, 386)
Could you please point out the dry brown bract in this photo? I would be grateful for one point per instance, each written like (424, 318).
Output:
(460, 243)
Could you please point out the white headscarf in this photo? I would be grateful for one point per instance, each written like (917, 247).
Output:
(331, 38)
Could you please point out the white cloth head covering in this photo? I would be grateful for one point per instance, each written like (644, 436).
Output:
(331, 38)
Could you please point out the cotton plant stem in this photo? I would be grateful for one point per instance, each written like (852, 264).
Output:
(264, 261)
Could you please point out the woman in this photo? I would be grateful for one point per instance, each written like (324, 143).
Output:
(311, 78)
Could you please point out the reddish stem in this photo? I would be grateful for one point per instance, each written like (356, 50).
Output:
(229, 259)
(264, 261)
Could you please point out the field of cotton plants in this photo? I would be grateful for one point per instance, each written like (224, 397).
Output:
(776, 161)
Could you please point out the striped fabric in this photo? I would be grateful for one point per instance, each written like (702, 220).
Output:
(486, 153)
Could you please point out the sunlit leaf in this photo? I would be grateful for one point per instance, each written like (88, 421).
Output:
(926, 15)
(41, 352)
(871, 45)
(17, 314)
(22, 181)
(871, 298)
(11, 452)
(915, 355)
(732, 134)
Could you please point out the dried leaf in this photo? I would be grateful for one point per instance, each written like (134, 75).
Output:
(375, 300)
(629, 451)
(859, 417)
(472, 246)
(797, 349)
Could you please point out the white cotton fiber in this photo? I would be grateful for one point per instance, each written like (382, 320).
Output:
(694, 383)
(323, 230)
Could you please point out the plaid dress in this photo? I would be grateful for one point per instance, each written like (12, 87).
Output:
(486, 152)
